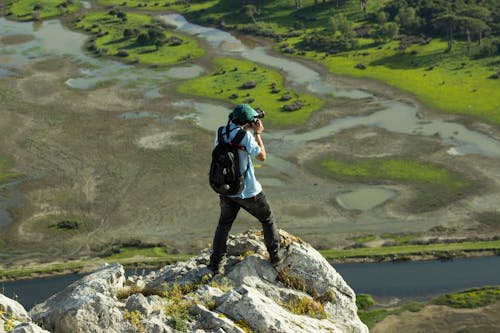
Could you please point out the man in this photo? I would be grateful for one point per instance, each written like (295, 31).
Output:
(252, 199)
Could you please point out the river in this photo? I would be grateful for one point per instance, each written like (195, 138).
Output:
(385, 281)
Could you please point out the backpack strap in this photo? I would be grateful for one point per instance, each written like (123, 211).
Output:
(219, 134)
(237, 139)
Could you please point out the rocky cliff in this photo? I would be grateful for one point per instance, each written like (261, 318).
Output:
(303, 294)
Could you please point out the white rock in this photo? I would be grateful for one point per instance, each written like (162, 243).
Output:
(28, 328)
(13, 308)
(88, 305)
(264, 315)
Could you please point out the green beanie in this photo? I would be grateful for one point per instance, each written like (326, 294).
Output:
(242, 114)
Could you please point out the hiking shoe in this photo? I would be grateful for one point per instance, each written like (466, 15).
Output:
(276, 259)
(217, 267)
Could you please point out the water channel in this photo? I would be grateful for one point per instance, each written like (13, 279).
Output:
(385, 281)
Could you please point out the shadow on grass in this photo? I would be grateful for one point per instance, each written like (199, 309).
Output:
(403, 60)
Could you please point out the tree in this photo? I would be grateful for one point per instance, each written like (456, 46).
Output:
(480, 13)
(341, 23)
(448, 23)
(408, 19)
(250, 11)
(382, 17)
(363, 3)
(388, 31)
(471, 24)
(156, 36)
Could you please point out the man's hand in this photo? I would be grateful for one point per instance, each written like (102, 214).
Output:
(258, 127)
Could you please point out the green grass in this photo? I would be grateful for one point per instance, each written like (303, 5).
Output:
(405, 170)
(450, 87)
(225, 81)
(128, 256)
(132, 251)
(161, 5)
(403, 250)
(435, 185)
(23, 10)
(401, 238)
(364, 239)
(114, 41)
(471, 298)
(53, 268)
(4, 170)
(372, 317)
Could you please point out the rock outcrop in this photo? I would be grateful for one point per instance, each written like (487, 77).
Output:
(15, 319)
(303, 294)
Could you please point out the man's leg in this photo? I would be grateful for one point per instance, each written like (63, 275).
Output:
(228, 212)
(259, 207)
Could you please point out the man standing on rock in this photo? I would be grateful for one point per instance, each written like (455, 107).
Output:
(251, 199)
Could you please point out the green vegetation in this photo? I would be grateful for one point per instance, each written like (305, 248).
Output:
(128, 256)
(7, 319)
(306, 306)
(4, 170)
(54, 268)
(364, 239)
(178, 6)
(446, 68)
(471, 298)
(243, 325)
(240, 81)
(134, 318)
(438, 249)
(177, 307)
(401, 238)
(436, 185)
(372, 316)
(28, 10)
(136, 38)
(133, 251)
(364, 301)
(449, 82)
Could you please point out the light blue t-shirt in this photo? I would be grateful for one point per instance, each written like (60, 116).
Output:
(252, 186)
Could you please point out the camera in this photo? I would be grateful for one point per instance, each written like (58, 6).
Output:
(260, 114)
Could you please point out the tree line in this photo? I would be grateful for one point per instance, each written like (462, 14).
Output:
(474, 21)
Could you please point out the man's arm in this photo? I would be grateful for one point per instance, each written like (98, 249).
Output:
(258, 128)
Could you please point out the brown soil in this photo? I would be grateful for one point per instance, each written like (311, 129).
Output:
(438, 319)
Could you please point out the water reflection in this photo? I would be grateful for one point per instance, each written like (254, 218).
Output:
(53, 39)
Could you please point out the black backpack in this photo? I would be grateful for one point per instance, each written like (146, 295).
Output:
(225, 176)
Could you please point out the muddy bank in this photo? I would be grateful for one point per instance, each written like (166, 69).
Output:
(435, 318)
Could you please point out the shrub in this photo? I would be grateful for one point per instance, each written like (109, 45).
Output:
(306, 306)
(364, 302)
(295, 106)
(249, 85)
(471, 298)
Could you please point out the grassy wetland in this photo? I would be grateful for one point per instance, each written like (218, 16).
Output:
(117, 159)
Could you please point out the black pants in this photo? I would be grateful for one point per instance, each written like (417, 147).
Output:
(256, 206)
